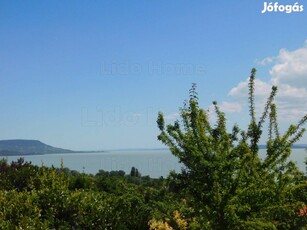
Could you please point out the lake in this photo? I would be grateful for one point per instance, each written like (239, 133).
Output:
(155, 163)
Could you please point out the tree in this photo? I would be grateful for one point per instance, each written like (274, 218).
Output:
(224, 180)
(135, 172)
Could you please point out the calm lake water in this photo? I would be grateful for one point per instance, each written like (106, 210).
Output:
(154, 163)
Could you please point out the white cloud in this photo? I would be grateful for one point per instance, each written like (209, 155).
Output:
(240, 94)
(265, 61)
(288, 91)
(289, 73)
(232, 107)
(290, 68)
(172, 117)
(241, 90)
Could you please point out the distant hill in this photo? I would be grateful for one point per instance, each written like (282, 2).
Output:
(27, 147)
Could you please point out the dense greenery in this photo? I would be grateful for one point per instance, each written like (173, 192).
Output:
(223, 185)
(225, 182)
(49, 198)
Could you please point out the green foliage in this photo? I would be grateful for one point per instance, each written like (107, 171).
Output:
(224, 180)
(135, 172)
(51, 198)
(18, 175)
(224, 184)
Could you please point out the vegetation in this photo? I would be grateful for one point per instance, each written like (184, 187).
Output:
(33, 197)
(224, 183)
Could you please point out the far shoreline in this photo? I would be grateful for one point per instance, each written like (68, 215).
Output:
(14, 154)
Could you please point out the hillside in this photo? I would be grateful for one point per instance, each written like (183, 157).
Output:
(27, 147)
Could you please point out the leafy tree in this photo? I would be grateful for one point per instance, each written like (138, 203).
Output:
(17, 175)
(225, 182)
(48, 203)
(135, 172)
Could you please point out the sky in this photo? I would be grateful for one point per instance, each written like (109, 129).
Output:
(92, 75)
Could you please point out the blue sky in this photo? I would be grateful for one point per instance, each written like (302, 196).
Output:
(93, 75)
